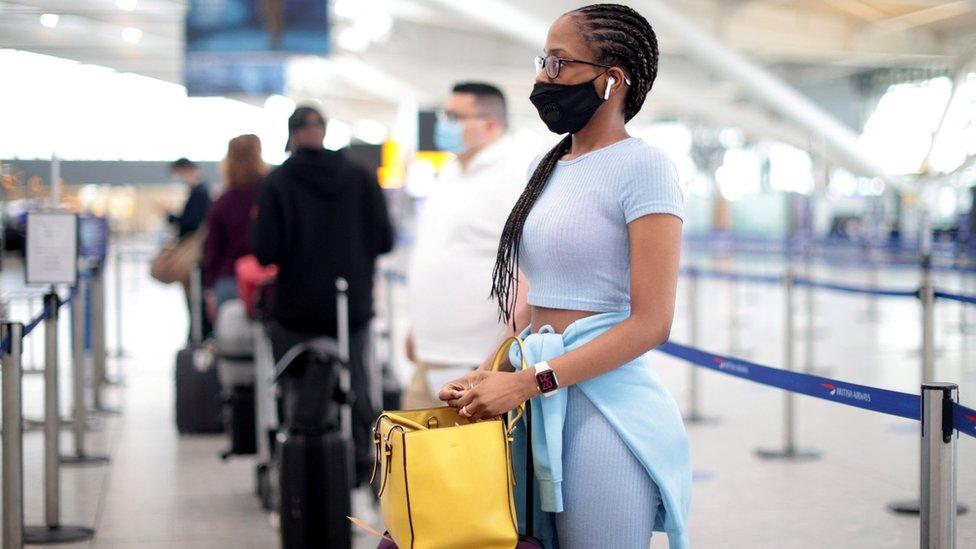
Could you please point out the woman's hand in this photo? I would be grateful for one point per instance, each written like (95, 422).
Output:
(452, 392)
(491, 394)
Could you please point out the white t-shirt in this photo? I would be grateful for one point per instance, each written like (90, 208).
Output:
(452, 318)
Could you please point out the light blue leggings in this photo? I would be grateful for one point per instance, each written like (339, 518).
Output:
(609, 500)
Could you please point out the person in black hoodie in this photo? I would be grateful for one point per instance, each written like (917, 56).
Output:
(321, 217)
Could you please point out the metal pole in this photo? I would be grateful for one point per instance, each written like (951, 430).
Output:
(55, 181)
(99, 353)
(734, 348)
(11, 333)
(963, 266)
(117, 270)
(78, 366)
(789, 450)
(938, 503)
(80, 411)
(694, 414)
(789, 432)
(52, 414)
(927, 295)
(31, 350)
(52, 531)
(693, 340)
(196, 306)
(97, 380)
(342, 310)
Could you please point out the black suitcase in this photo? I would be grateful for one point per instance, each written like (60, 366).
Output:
(316, 480)
(198, 395)
(315, 451)
(198, 398)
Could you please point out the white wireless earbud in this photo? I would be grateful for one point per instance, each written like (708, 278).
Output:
(610, 82)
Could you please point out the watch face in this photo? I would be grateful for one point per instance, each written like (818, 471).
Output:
(546, 381)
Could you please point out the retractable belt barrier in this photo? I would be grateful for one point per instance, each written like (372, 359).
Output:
(968, 299)
(861, 396)
(801, 281)
(35, 322)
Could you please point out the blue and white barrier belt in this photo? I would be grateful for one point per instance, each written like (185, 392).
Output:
(884, 401)
(36, 321)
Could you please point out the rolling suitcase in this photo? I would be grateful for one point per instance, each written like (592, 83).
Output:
(315, 455)
(198, 399)
(235, 368)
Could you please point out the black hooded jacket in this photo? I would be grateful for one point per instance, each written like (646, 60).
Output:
(320, 217)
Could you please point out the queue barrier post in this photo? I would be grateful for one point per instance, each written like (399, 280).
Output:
(789, 451)
(11, 333)
(927, 297)
(79, 420)
(98, 347)
(52, 531)
(938, 474)
(694, 414)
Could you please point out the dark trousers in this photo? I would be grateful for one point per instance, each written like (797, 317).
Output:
(363, 413)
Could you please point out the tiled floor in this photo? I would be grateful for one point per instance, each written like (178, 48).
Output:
(166, 491)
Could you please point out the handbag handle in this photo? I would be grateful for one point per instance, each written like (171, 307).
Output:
(500, 356)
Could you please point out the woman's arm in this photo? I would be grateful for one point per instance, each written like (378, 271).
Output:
(655, 249)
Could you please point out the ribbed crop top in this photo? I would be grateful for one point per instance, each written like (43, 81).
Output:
(575, 249)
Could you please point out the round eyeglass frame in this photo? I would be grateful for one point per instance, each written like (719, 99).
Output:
(553, 63)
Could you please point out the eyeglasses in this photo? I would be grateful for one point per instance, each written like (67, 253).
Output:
(451, 116)
(552, 63)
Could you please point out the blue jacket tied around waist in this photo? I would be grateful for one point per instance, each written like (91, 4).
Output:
(634, 402)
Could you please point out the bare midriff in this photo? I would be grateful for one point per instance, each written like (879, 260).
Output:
(559, 319)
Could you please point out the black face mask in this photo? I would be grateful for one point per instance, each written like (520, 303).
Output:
(566, 108)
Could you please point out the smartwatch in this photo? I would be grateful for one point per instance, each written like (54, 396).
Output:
(545, 379)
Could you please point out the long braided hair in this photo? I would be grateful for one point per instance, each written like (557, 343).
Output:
(621, 37)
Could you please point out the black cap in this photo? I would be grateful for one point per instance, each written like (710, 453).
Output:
(298, 120)
(182, 163)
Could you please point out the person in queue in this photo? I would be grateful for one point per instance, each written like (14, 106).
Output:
(321, 217)
(597, 234)
(453, 322)
(229, 218)
(190, 219)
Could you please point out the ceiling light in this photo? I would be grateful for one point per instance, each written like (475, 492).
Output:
(50, 20)
(127, 5)
(131, 35)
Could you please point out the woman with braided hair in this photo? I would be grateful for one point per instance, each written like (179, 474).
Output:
(596, 234)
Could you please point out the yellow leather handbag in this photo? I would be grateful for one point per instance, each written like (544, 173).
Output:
(446, 482)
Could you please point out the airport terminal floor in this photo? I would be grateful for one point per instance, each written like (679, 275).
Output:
(166, 490)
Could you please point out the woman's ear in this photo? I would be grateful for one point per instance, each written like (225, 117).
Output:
(615, 78)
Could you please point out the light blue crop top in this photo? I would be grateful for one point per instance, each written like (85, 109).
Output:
(575, 249)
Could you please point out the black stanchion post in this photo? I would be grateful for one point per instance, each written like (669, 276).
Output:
(789, 452)
(12, 333)
(80, 411)
(52, 531)
(938, 479)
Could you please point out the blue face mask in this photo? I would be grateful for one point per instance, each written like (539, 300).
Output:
(449, 135)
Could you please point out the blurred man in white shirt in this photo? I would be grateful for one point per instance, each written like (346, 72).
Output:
(454, 325)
